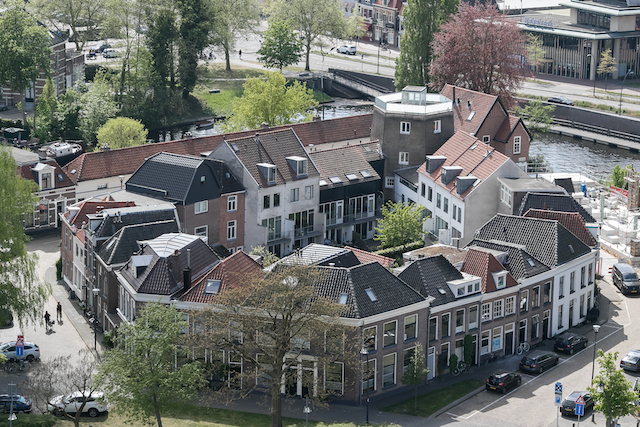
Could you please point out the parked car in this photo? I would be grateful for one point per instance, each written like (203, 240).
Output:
(99, 48)
(349, 50)
(502, 381)
(568, 406)
(3, 107)
(538, 361)
(631, 362)
(6, 317)
(570, 342)
(31, 351)
(111, 53)
(625, 278)
(94, 406)
(20, 403)
(559, 100)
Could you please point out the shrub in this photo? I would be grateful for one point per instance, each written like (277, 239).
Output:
(59, 269)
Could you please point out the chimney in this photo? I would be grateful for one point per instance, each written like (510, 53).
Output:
(105, 147)
(189, 258)
(186, 278)
(454, 94)
(257, 138)
(264, 126)
(469, 104)
(458, 102)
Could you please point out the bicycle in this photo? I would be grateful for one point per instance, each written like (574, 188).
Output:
(462, 366)
(523, 348)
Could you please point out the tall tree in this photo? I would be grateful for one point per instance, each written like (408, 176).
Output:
(416, 372)
(312, 19)
(611, 392)
(535, 52)
(231, 20)
(608, 64)
(139, 374)
(122, 132)
(421, 19)
(400, 224)
(45, 109)
(280, 46)
(24, 50)
(270, 101)
(271, 323)
(160, 39)
(194, 31)
(97, 106)
(21, 291)
(478, 48)
(538, 116)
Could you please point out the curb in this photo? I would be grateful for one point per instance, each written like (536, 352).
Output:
(456, 402)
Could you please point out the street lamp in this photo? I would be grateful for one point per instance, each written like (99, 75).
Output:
(596, 328)
(307, 409)
(96, 292)
(595, 74)
(365, 351)
(601, 389)
(12, 416)
(322, 78)
(625, 78)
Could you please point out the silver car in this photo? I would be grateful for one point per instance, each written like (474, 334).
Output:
(31, 351)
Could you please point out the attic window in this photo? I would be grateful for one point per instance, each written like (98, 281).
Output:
(471, 114)
(202, 179)
(351, 176)
(335, 179)
(212, 287)
(343, 299)
(60, 177)
(442, 291)
(531, 263)
(298, 164)
(323, 183)
(461, 291)
(571, 249)
(371, 295)
(473, 146)
(366, 174)
(234, 146)
(268, 171)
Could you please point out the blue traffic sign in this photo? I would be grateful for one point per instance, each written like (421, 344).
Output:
(559, 387)
(19, 350)
(558, 400)
(579, 410)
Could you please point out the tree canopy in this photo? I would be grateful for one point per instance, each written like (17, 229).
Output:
(271, 101)
(416, 372)
(538, 115)
(608, 64)
(21, 291)
(421, 20)
(479, 49)
(231, 20)
(400, 224)
(281, 46)
(121, 132)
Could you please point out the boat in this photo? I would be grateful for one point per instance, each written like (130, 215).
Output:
(61, 152)
(205, 124)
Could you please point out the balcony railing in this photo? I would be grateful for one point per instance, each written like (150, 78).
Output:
(303, 231)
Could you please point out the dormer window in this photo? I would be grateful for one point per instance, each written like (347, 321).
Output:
(298, 164)
(500, 279)
(268, 171)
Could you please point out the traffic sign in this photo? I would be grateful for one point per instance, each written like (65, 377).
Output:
(559, 387)
(580, 409)
(19, 350)
(579, 401)
(20, 340)
(558, 400)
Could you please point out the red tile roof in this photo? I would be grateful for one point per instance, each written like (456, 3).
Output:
(26, 171)
(475, 158)
(572, 221)
(232, 271)
(482, 264)
(366, 257)
(90, 208)
(481, 104)
(100, 164)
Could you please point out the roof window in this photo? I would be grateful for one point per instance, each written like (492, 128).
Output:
(343, 299)
(371, 295)
(268, 171)
(351, 176)
(335, 179)
(212, 287)
(366, 174)
(298, 164)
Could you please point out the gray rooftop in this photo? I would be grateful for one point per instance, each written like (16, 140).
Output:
(530, 184)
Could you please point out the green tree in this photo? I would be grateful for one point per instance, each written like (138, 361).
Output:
(24, 50)
(194, 37)
(618, 174)
(45, 109)
(270, 100)
(535, 52)
(538, 116)
(267, 257)
(21, 291)
(161, 37)
(400, 224)
(139, 375)
(280, 46)
(612, 393)
(608, 64)
(421, 20)
(122, 132)
(232, 19)
(97, 105)
(416, 372)
(66, 119)
(312, 18)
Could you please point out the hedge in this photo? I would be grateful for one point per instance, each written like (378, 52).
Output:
(397, 251)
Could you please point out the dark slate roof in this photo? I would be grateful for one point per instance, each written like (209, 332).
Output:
(549, 241)
(119, 248)
(171, 176)
(272, 148)
(344, 259)
(571, 220)
(429, 275)
(553, 202)
(517, 262)
(410, 174)
(566, 183)
(132, 216)
(346, 159)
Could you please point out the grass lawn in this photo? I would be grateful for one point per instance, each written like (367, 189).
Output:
(430, 402)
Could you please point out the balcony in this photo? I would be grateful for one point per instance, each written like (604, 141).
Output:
(303, 231)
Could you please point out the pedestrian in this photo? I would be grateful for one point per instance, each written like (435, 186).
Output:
(240, 54)
(59, 311)
(47, 319)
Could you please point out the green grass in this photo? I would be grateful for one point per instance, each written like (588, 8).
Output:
(430, 402)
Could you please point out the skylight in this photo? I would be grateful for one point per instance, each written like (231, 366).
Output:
(367, 148)
(442, 291)
(531, 263)
(212, 287)
(351, 176)
(335, 179)
(471, 114)
(343, 299)
(323, 183)
(371, 295)
(60, 177)
(366, 174)
(571, 249)
(473, 146)
(234, 146)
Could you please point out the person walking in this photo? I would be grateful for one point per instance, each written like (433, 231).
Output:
(240, 54)
(59, 311)
(47, 319)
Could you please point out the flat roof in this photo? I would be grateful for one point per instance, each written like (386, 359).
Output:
(530, 184)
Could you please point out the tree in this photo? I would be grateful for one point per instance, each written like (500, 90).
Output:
(122, 132)
(421, 20)
(270, 100)
(231, 19)
(618, 174)
(21, 291)
(535, 52)
(400, 224)
(139, 375)
(271, 322)
(280, 46)
(194, 32)
(24, 50)
(97, 106)
(608, 64)
(479, 49)
(612, 393)
(48, 382)
(45, 109)
(267, 257)
(416, 372)
(312, 18)
(538, 115)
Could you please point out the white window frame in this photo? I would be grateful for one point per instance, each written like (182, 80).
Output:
(201, 207)
(341, 377)
(505, 195)
(415, 316)
(499, 334)
(498, 308)
(510, 306)
(201, 233)
(405, 128)
(437, 126)
(389, 182)
(308, 192)
(374, 376)
(403, 158)
(486, 350)
(232, 232)
(232, 203)
(486, 139)
(474, 325)
(485, 312)
(517, 144)
(294, 195)
(448, 324)
(436, 335)
(393, 371)
(460, 329)
(375, 336)
(395, 333)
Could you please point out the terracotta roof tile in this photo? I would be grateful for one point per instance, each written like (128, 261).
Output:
(482, 264)
(90, 208)
(481, 104)
(26, 171)
(366, 257)
(572, 221)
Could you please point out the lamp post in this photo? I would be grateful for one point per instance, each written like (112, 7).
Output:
(365, 351)
(307, 409)
(621, 89)
(379, 43)
(12, 416)
(595, 74)
(95, 291)
(322, 78)
(596, 328)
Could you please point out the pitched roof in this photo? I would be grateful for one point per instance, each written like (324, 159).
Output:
(566, 183)
(429, 277)
(338, 162)
(483, 264)
(572, 221)
(554, 202)
(475, 158)
(124, 161)
(87, 207)
(113, 219)
(126, 241)
(59, 178)
(271, 148)
(481, 105)
(353, 256)
(518, 261)
(506, 128)
(231, 272)
(365, 257)
(171, 176)
(549, 241)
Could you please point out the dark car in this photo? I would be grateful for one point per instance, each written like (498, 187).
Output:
(559, 100)
(20, 404)
(570, 342)
(625, 278)
(3, 107)
(538, 362)
(502, 381)
(631, 362)
(568, 406)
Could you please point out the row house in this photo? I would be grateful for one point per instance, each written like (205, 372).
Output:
(208, 197)
(513, 192)
(386, 21)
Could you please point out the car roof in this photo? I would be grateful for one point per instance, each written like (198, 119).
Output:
(567, 335)
(625, 268)
(537, 353)
(635, 353)
(500, 372)
(575, 394)
(14, 343)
